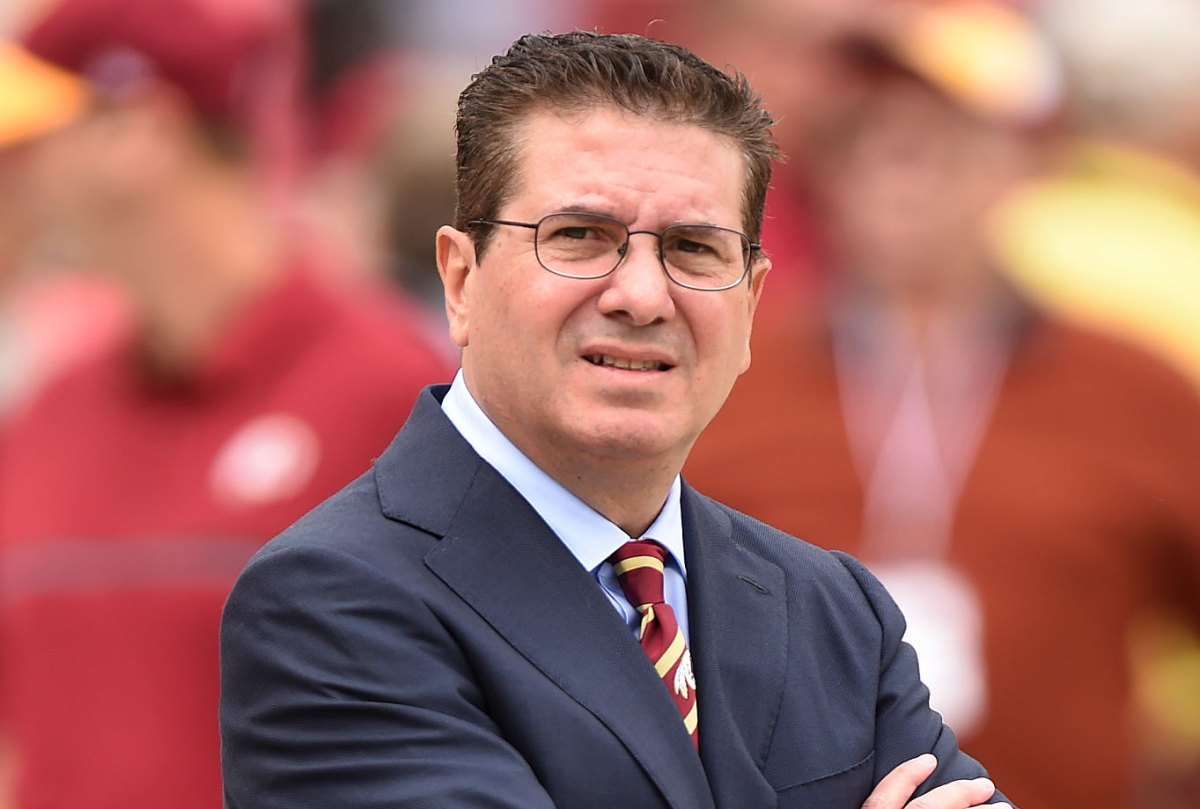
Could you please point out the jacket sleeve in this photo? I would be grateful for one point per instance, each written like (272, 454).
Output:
(905, 725)
(342, 688)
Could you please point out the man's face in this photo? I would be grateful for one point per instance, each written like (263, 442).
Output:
(531, 338)
(914, 183)
(105, 169)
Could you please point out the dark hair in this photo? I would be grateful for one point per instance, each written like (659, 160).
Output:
(583, 70)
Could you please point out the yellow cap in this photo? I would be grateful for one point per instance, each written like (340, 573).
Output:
(985, 54)
(35, 96)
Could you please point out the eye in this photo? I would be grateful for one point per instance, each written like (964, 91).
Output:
(693, 241)
(579, 229)
(690, 246)
(574, 232)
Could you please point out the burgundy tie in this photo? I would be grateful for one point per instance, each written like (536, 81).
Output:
(639, 568)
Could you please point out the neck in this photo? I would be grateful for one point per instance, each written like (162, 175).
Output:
(957, 290)
(629, 496)
(192, 259)
(627, 491)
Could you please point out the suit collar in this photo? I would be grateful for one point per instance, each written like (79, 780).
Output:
(499, 556)
(424, 474)
(738, 611)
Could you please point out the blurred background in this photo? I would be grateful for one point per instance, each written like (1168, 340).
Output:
(977, 360)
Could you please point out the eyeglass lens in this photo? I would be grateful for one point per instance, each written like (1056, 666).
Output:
(590, 246)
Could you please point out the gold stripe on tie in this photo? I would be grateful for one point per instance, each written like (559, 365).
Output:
(671, 655)
(690, 720)
(647, 619)
(636, 562)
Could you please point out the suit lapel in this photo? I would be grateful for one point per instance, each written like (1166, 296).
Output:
(499, 556)
(737, 610)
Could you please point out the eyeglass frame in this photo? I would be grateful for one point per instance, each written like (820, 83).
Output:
(751, 247)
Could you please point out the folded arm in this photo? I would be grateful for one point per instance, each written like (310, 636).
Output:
(341, 689)
(918, 757)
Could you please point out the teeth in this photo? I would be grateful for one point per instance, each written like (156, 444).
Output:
(625, 364)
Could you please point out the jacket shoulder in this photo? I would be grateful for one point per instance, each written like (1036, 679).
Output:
(350, 522)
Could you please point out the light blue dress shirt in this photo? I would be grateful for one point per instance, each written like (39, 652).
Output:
(589, 536)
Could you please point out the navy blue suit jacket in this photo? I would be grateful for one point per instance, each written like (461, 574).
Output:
(422, 639)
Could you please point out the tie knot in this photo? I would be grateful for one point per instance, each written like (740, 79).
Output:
(639, 568)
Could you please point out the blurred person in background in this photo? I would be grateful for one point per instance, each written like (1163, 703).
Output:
(135, 487)
(47, 320)
(352, 91)
(416, 167)
(1024, 487)
(1112, 237)
(381, 134)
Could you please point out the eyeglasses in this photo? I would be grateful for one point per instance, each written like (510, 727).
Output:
(588, 246)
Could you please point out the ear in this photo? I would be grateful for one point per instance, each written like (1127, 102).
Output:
(758, 277)
(456, 262)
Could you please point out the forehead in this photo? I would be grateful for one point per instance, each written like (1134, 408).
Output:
(907, 105)
(642, 170)
(905, 119)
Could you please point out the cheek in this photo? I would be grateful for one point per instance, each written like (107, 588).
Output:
(521, 325)
(722, 337)
(745, 363)
(558, 312)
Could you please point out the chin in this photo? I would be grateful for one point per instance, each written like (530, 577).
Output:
(624, 438)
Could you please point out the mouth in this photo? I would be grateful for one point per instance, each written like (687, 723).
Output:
(626, 364)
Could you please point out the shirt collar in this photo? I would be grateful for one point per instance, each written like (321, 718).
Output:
(589, 535)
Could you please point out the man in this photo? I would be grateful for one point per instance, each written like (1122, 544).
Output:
(136, 486)
(48, 320)
(1025, 488)
(465, 625)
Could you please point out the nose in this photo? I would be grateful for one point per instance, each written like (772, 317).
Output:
(638, 289)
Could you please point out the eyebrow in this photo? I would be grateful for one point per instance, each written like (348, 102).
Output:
(584, 207)
(609, 212)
